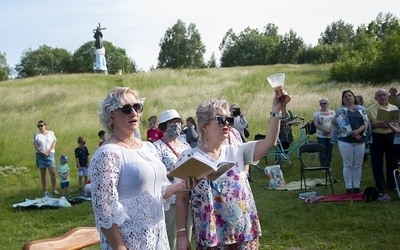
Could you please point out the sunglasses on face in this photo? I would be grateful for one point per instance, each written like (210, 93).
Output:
(222, 120)
(40, 125)
(323, 103)
(127, 108)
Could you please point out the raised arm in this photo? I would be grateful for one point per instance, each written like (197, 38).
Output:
(280, 99)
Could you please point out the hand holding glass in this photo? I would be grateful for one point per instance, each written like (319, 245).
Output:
(277, 80)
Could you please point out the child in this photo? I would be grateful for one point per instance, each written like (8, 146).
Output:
(102, 136)
(63, 172)
(82, 161)
(154, 133)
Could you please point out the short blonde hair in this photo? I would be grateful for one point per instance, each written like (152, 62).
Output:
(116, 98)
(323, 99)
(208, 109)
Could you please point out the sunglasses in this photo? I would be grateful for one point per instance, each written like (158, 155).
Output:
(222, 120)
(127, 108)
(40, 125)
(323, 103)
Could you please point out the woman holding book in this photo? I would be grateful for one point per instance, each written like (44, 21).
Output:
(224, 211)
(128, 181)
(351, 130)
(168, 149)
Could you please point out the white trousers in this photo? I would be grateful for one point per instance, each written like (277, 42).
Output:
(352, 155)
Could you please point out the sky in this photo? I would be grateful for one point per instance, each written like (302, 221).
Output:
(138, 26)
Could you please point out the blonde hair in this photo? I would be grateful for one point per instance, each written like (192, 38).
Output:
(116, 98)
(208, 109)
(324, 99)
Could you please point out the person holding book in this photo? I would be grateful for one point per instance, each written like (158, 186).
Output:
(224, 210)
(128, 181)
(351, 128)
(168, 149)
(381, 148)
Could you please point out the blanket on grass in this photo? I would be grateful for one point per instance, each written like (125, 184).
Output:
(50, 202)
(312, 182)
(349, 197)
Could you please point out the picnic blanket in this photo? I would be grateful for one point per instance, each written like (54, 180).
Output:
(311, 182)
(349, 197)
(50, 202)
(44, 202)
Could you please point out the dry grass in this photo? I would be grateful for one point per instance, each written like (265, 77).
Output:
(69, 103)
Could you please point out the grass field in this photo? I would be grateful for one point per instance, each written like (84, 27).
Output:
(69, 103)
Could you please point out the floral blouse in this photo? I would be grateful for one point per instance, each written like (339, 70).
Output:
(224, 210)
(342, 127)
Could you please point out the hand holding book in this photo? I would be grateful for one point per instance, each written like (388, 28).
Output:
(192, 163)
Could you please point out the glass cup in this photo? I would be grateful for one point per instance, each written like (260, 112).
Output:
(277, 80)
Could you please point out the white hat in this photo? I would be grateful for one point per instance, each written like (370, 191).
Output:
(169, 115)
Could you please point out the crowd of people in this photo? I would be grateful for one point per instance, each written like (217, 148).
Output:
(138, 204)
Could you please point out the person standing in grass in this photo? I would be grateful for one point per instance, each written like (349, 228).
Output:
(381, 148)
(168, 149)
(129, 183)
(224, 211)
(323, 121)
(44, 142)
(351, 130)
(82, 162)
(63, 172)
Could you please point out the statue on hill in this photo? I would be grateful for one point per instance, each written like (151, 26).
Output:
(100, 51)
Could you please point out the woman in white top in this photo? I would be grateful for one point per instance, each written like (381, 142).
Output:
(323, 121)
(128, 181)
(44, 142)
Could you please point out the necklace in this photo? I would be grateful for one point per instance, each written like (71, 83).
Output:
(129, 144)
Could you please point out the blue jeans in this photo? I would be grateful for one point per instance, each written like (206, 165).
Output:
(325, 158)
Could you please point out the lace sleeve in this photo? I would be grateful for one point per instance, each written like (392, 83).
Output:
(105, 170)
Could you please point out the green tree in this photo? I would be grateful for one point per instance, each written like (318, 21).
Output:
(337, 32)
(43, 61)
(250, 47)
(181, 47)
(289, 48)
(84, 59)
(5, 70)
(212, 63)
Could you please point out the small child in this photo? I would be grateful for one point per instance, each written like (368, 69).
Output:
(154, 133)
(102, 136)
(82, 161)
(63, 172)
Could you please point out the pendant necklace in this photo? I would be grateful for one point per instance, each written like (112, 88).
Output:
(128, 144)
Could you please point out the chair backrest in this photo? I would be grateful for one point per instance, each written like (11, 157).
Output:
(76, 238)
(311, 148)
(308, 157)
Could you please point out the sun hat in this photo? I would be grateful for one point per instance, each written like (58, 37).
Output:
(169, 115)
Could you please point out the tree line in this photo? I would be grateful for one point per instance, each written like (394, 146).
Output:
(369, 53)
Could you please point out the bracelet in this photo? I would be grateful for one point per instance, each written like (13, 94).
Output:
(273, 114)
(180, 230)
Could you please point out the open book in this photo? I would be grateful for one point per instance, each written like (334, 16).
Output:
(388, 115)
(191, 164)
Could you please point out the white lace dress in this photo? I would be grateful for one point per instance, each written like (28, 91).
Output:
(127, 189)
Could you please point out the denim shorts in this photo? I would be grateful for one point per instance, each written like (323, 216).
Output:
(64, 184)
(83, 172)
(45, 161)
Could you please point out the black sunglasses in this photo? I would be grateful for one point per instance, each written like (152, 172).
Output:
(40, 125)
(222, 120)
(127, 108)
(322, 103)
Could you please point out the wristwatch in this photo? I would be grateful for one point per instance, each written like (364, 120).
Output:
(273, 114)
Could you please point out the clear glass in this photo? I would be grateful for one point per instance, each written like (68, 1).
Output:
(277, 80)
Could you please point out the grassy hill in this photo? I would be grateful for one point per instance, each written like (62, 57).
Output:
(68, 103)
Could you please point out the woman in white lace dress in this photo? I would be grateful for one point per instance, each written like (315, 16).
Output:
(129, 184)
